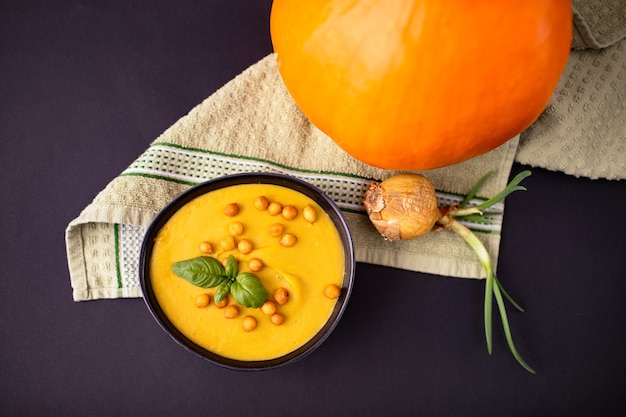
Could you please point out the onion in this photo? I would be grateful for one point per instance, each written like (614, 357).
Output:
(403, 206)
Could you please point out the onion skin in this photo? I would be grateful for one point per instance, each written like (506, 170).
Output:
(403, 206)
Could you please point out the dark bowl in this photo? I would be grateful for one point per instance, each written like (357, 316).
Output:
(305, 188)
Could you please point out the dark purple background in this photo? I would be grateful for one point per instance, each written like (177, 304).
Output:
(85, 86)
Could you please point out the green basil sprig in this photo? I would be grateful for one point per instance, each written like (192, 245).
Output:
(208, 272)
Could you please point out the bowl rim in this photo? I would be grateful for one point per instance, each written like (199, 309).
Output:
(317, 195)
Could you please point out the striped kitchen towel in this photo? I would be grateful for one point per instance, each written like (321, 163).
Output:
(252, 125)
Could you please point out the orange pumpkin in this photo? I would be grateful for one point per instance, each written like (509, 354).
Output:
(421, 84)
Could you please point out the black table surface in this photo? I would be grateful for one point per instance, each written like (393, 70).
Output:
(85, 86)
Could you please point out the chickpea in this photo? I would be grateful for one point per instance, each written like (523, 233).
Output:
(255, 264)
(235, 228)
(231, 311)
(248, 323)
(276, 229)
(268, 307)
(288, 240)
(332, 291)
(274, 208)
(205, 247)
(228, 243)
(277, 319)
(202, 300)
(231, 210)
(244, 246)
(309, 213)
(281, 296)
(222, 303)
(289, 212)
(261, 202)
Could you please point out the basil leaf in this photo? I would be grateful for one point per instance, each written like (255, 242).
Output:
(222, 291)
(208, 272)
(203, 271)
(231, 267)
(248, 290)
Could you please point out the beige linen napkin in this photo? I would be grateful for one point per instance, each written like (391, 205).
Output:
(252, 125)
(598, 23)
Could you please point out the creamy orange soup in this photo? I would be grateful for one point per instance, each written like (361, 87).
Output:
(304, 270)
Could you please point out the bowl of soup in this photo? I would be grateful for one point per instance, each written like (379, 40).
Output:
(248, 271)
